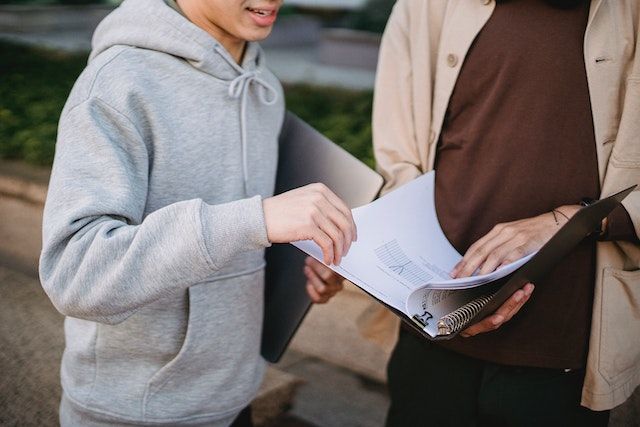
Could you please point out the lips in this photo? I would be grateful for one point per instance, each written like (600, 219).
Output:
(263, 17)
(261, 12)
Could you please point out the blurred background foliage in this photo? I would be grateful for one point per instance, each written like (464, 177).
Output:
(372, 17)
(34, 84)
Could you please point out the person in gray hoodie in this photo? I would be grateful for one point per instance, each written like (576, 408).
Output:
(159, 209)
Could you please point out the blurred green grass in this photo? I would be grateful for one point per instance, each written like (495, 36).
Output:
(34, 84)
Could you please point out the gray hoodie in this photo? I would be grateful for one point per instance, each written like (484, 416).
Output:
(154, 232)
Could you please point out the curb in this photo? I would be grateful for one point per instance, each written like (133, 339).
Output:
(23, 181)
(23, 189)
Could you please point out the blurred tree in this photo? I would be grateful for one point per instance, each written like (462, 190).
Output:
(34, 84)
(372, 17)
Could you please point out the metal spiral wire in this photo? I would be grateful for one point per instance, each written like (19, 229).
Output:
(458, 319)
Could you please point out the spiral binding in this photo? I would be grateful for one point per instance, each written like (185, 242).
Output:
(458, 319)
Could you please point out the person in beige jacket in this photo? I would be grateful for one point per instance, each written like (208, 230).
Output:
(525, 109)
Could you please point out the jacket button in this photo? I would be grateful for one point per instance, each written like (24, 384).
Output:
(452, 60)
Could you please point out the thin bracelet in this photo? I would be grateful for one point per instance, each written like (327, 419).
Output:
(555, 218)
(560, 212)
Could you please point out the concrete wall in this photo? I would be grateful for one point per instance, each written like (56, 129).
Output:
(328, 4)
(349, 48)
(294, 30)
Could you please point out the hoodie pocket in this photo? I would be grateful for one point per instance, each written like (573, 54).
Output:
(164, 374)
(218, 369)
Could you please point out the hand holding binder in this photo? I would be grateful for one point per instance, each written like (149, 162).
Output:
(409, 274)
(507, 242)
(505, 313)
(503, 244)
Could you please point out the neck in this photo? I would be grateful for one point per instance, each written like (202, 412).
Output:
(197, 16)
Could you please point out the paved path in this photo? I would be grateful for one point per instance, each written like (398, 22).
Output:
(31, 343)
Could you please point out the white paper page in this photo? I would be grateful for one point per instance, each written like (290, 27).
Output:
(480, 279)
(367, 277)
(391, 230)
(401, 247)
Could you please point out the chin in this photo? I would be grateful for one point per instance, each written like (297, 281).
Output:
(256, 35)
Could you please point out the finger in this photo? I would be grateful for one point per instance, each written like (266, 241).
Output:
(346, 211)
(315, 280)
(338, 285)
(325, 273)
(516, 302)
(326, 211)
(332, 288)
(502, 314)
(528, 289)
(487, 324)
(344, 221)
(512, 305)
(325, 287)
(478, 246)
(515, 255)
(326, 244)
(315, 297)
(504, 255)
(476, 255)
(334, 233)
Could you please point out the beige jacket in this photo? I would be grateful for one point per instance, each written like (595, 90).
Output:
(422, 50)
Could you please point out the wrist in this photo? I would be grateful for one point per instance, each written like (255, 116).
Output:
(266, 212)
(568, 211)
(562, 214)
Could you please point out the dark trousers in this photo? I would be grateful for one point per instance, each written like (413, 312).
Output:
(431, 386)
(243, 419)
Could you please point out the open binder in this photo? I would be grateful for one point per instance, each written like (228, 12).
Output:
(579, 227)
(306, 156)
(409, 274)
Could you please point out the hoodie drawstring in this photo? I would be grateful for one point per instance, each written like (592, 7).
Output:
(239, 88)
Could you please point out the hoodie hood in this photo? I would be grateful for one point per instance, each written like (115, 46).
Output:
(153, 25)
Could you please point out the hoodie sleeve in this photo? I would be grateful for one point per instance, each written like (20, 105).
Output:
(101, 258)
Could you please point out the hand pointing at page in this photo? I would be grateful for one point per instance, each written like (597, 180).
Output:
(504, 244)
(510, 241)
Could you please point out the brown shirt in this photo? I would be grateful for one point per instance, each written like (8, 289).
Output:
(518, 141)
